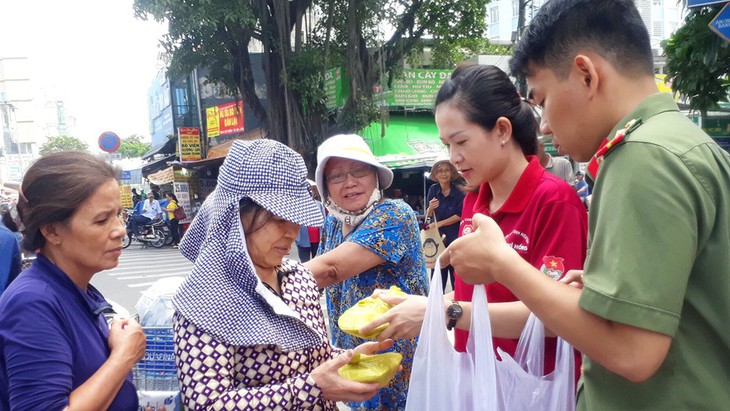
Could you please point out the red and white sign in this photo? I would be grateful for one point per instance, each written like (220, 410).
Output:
(225, 119)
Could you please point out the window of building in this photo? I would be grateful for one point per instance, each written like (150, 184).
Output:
(657, 29)
(494, 14)
(25, 148)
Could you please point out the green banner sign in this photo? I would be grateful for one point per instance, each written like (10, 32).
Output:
(334, 88)
(417, 88)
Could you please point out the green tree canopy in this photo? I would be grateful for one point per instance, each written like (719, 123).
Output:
(300, 39)
(63, 143)
(698, 61)
(133, 147)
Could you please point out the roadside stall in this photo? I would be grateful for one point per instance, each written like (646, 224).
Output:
(408, 143)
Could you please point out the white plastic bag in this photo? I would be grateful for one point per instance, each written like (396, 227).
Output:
(443, 379)
(522, 385)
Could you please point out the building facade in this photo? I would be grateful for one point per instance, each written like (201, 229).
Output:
(661, 18)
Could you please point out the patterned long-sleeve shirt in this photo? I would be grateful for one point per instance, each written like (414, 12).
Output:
(215, 375)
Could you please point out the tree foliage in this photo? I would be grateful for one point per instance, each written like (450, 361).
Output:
(63, 143)
(299, 40)
(698, 61)
(133, 147)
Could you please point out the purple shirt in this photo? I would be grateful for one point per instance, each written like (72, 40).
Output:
(53, 337)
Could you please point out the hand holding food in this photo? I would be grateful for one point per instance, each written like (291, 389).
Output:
(365, 311)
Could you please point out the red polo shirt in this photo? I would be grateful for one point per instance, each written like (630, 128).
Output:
(545, 222)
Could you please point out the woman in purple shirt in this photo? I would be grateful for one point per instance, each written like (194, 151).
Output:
(56, 350)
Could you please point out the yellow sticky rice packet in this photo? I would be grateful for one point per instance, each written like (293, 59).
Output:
(363, 312)
(378, 368)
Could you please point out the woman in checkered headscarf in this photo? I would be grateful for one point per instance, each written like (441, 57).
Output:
(249, 328)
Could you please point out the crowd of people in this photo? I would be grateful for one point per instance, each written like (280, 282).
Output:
(640, 290)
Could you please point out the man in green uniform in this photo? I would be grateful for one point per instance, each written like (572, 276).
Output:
(651, 318)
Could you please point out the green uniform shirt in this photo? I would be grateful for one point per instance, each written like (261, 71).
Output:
(659, 259)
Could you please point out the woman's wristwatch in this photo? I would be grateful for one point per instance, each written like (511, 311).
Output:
(453, 313)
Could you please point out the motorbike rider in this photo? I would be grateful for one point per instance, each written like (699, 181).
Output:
(151, 211)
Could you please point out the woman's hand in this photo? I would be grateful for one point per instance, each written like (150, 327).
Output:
(337, 388)
(405, 318)
(433, 204)
(127, 341)
(573, 278)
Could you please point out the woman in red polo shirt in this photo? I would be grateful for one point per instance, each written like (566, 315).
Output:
(491, 135)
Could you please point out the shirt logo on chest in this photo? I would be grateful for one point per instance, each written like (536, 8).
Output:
(518, 240)
(468, 229)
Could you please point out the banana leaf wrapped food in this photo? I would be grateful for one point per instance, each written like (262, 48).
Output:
(365, 311)
(378, 368)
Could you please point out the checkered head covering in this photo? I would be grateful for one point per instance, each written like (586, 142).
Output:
(223, 295)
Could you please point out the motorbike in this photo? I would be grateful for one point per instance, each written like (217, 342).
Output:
(153, 234)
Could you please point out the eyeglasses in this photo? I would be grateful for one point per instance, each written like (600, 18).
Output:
(359, 172)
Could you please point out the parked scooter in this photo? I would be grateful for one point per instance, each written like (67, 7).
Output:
(152, 234)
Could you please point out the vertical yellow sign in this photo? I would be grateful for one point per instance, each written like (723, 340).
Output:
(189, 143)
(212, 121)
(126, 192)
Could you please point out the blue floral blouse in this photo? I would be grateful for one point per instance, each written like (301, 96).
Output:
(390, 231)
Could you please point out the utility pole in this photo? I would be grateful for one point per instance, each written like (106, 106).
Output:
(521, 81)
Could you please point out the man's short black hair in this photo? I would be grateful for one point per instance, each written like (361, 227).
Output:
(562, 28)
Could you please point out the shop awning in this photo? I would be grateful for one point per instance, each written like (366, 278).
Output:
(163, 176)
(158, 165)
(168, 147)
(405, 140)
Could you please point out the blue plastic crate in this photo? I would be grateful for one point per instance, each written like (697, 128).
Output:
(157, 370)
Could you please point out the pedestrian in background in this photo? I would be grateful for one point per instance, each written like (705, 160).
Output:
(445, 201)
(582, 188)
(174, 224)
(56, 350)
(249, 329)
(151, 212)
(651, 318)
(10, 257)
(557, 166)
(368, 243)
(307, 240)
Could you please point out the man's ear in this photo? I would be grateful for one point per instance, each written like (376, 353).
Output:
(587, 71)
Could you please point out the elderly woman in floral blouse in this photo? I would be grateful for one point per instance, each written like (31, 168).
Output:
(368, 243)
(249, 329)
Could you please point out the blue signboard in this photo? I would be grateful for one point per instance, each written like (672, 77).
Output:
(702, 3)
(126, 175)
(721, 23)
(109, 142)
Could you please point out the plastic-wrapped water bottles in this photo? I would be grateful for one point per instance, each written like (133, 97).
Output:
(159, 313)
(157, 370)
(162, 289)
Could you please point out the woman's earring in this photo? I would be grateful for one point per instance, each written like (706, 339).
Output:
(502, 143)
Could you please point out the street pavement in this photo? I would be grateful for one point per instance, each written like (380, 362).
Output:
(138, 269)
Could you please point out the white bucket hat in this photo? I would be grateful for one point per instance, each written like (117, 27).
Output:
(443, 160)
(352, 147)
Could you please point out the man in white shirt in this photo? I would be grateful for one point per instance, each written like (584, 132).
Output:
(151, 210)
(558, 166)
